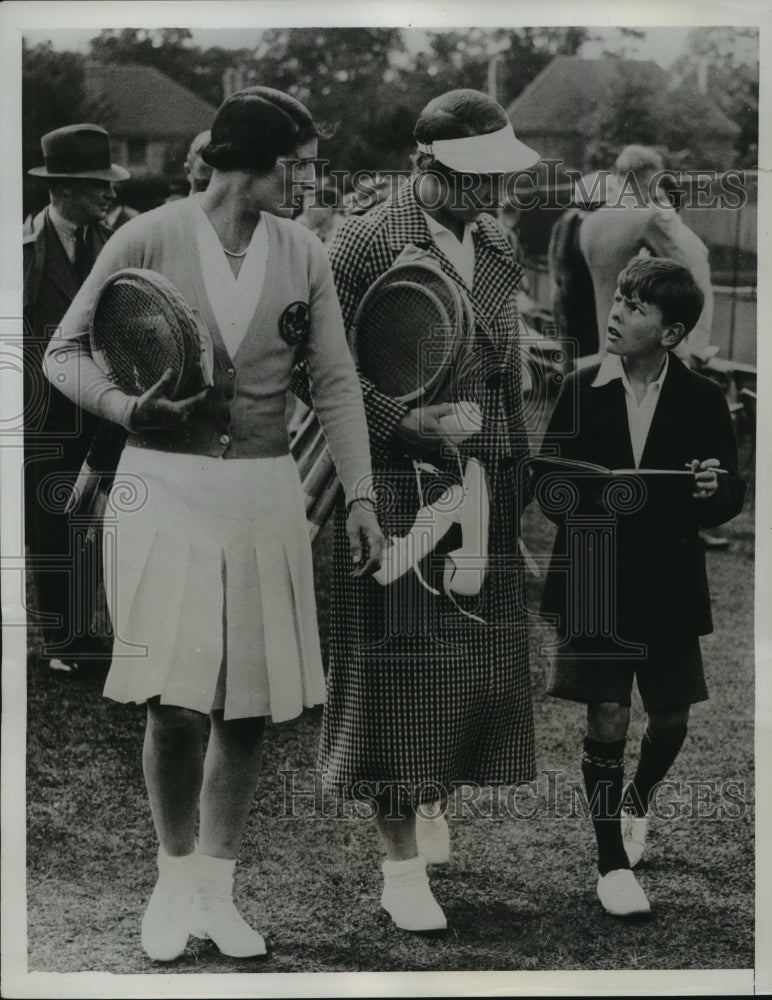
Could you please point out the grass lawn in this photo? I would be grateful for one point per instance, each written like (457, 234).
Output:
(519, 893)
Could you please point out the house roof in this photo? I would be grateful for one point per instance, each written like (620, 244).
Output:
(558, 99)
(142, 102)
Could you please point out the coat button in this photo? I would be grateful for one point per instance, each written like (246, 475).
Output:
(682, 543)
(231, 372)
(224, 439)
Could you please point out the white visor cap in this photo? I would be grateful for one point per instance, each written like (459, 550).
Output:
(495, 153)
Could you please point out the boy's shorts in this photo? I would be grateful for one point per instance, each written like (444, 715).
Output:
(670, 674)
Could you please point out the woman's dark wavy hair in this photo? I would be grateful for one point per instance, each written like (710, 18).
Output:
(665, 283)
(458, 114)
(254, 127)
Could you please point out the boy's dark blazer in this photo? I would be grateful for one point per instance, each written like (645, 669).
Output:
(660, 581)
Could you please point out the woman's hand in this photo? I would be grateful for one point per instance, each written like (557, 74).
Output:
(365, 538)
(98, 511)
(156, 411)
(422, 431)
(705, 477)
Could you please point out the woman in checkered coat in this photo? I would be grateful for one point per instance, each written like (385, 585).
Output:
(426, 692)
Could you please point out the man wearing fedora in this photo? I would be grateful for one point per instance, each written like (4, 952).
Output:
(60, 247)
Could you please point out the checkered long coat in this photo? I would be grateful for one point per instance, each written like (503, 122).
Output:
(421, 697)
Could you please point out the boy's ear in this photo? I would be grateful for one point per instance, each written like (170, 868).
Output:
(673, 335)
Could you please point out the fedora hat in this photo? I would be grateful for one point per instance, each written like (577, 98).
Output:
(79, 151)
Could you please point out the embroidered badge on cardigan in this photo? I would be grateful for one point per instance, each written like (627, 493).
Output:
(295, 323)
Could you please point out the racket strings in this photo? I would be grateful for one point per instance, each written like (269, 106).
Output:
(140, 331)
(408, 330)
(440, 284)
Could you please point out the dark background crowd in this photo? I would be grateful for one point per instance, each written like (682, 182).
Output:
(154, 90)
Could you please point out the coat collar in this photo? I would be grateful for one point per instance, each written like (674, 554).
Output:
(495, 271)
(407, 224)
(672, 409)
(58, 266)
(610, 419)
(48, 255)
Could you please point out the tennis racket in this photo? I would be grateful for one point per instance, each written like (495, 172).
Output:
(140, 327)
(410, 330)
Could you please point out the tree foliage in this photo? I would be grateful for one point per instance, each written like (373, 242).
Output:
(53, 94)
(170, 51)
(347, 78)
(164, 48)
(369, 84)
(677, 119)
(462, 58)
(729, 60)
(361, 81)
(631, 112)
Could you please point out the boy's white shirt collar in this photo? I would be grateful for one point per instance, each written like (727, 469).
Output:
(639, 414)
(611, 367)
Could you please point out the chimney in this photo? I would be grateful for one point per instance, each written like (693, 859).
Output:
(235, 78)
(493, 65)
(702, 75)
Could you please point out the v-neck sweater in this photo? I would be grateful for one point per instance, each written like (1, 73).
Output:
(233, 297)
(244, 413)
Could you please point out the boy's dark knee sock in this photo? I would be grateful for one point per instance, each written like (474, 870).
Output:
(603, 770)
(657, 756)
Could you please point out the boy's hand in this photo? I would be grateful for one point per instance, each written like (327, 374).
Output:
(705, 478)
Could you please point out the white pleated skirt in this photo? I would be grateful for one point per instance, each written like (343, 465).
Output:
(210, 585)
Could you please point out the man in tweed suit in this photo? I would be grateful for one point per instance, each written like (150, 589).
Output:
(427, 691)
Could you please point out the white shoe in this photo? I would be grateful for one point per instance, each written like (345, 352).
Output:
(633, 836)
(621, 895)
(432, 523)
(466, 566)
(215, 915)
(407, 897)
(166, 922)
(61, 666)
(433, 836)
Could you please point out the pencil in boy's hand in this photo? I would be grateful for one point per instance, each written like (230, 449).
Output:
(711, 468)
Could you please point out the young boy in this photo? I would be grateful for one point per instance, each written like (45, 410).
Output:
(639, 408)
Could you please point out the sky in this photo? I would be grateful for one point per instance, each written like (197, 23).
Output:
(664, 45)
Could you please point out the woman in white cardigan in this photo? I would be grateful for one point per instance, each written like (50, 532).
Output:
(214, 577)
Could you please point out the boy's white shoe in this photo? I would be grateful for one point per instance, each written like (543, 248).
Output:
(634, 836)
(166, 921)
(407, 897)
(621, 895)
(215, 915)
(433, 837)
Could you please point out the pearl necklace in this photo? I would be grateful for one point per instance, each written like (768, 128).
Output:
(230, 253)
